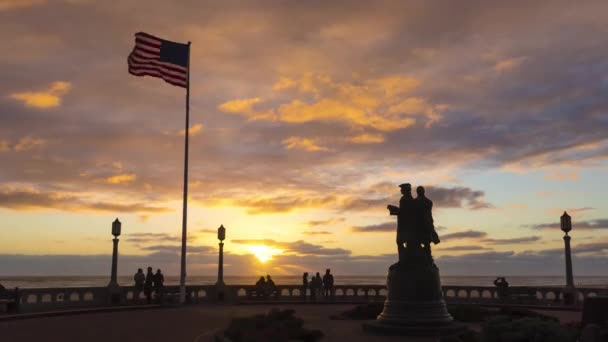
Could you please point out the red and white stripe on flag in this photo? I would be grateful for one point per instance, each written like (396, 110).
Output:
(153, 56)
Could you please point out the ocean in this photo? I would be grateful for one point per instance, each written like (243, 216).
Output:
(91, 281)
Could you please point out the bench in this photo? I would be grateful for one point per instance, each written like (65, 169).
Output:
(264, 294)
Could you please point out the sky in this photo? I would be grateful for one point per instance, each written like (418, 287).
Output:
(305, 116)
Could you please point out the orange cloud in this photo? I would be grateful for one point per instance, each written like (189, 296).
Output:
(44, 99)
(562, 176)
(194, 130)
(6, 5)
(367, 138)
(381, 103)
(122, 178)
(29, 143)
(304, 144)
(4, 147)
(239, 105)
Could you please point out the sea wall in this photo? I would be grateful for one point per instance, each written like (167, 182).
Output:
(51, 299)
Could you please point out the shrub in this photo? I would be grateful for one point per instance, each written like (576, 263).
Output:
(363, 312)
(529, 329)
(469, 313)
(277, 325)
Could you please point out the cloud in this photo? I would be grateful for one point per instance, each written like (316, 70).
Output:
(519, 240)
(296, 247)
(4, 146)
(442, 197)
(6, 5)
(589, 224)
(456, 197)
(367, 138)
(304, 144)
(121, 178)
(464, 235)
(380, 103)
(376, 228)
(509, 64)
(35, 200)
(243, 106)
(562, 176)
(328, 222)
(193, 131)
(176, 249)
(143, 238)
(461, 248)
(281, 204)
(29, 143)
(317, 232)
(44, 99)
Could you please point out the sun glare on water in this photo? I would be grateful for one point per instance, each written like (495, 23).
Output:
(264, 253)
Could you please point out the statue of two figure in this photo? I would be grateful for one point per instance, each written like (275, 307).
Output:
(415, 228)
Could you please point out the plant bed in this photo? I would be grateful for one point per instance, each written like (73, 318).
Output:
(277, 325)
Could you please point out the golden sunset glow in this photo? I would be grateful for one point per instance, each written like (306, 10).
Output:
(264, 253)
(300, 132)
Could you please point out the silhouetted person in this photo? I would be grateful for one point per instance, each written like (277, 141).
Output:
(140, 279)
(148, 285)
(159, 284)
(315, 286)
(260, 286)
(270, 286)
(328, 283)
(502, 287)
(304, 283)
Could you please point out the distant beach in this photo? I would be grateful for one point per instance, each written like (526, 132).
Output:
(92, 281)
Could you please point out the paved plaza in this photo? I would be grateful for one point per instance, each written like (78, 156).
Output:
(191, 324)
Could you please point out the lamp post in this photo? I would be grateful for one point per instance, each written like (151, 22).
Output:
(566, 226)
(221, 235)
(116, 226)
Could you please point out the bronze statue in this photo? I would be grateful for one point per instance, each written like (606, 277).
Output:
(414, 303)
(415, 226)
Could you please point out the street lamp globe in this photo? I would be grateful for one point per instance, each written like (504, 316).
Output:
(116, 228)
(566, 223)
(221, 233)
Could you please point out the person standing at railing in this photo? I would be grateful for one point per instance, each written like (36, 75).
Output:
(271, 288)
(315, 286)
(159, 285)
(304, 284)
(148, 285)
(328, 283)
(260, 286)
(140, 279)
(502, 288)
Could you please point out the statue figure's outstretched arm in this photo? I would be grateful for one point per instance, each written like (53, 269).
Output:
(393, 209)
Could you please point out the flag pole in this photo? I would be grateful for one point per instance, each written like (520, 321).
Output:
(182, 275)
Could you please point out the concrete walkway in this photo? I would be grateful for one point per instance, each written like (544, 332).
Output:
(191, 324)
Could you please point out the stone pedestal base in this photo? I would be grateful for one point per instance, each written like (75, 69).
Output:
(414, 305)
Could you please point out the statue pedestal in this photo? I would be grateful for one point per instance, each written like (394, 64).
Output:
(414, 305)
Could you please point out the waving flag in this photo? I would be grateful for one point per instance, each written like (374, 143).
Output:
(153, 56)
(170, 61)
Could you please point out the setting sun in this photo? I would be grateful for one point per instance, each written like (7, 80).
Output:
(263, 253)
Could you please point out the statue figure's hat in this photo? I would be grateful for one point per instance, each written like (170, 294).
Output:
(405, 185)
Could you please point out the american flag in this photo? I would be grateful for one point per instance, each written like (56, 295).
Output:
(157, 57)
